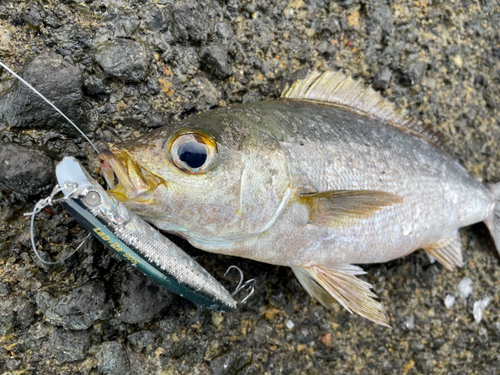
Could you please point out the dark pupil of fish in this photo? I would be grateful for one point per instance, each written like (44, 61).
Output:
(193, 154)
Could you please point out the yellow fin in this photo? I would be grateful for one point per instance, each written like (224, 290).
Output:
(448, 252)
(334, 208)
(340, 284)
(340, 90)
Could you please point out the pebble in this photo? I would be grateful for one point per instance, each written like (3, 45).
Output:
(465, 288)
(230, 363)
(78, 309)
(113, 359)
(25, 170)
(215, 59)
(69, 346)
(449, 301)
(60, 82)
(124, 60)
(479, 307)
(189, 22)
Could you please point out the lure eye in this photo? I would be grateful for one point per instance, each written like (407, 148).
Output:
(193, 152)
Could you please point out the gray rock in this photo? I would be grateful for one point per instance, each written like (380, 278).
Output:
(25, 170)
(412, 73)
(382, 78)
(69, 346)
(216, 60)
(230, 363)
(190, 23)
(13, 363)
(78, 309)
(7, 316)
(380, 22)
(56, 79)
(113, 359)
(34, 14)
(124, 59)
(224, 32)
(141, 340)
(153, 18)
(140, 299)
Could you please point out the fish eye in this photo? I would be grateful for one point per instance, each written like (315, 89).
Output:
(193, 152)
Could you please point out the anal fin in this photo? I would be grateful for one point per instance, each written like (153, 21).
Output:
(340, 284)
(448, 251)
(334, 208)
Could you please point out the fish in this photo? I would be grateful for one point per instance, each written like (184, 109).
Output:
(329, 177)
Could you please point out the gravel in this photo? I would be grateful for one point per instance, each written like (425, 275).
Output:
(120, 68)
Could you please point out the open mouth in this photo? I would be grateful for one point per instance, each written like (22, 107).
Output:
(126, 180)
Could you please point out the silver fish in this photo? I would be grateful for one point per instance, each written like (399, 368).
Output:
(330, 176)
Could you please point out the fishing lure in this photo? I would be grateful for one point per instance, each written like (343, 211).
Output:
(128, 235)
(135, 241)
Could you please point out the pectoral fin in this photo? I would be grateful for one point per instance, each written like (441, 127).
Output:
(448, 252)
(334, 208)
(340, 284)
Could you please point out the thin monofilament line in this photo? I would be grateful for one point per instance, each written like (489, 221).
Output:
(50, 103)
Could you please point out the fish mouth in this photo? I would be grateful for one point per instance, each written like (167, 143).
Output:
(127, 180)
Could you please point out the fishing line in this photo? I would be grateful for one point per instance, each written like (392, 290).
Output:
(50, 103)
(49, 201)
(41, 204)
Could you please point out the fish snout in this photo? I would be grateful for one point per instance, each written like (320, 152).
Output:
(126, 179)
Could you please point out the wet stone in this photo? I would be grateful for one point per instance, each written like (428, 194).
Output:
(153, 18)
(230, 363)
(141, 299)
(13, 363)
(123, 59)
(24, 169)
(56, 79)
(382, 78)
(69, 346)
(34, 14)
(79, 309)
(141, 340)
(412, 73)
(224, 32)
(190, 23)
(215, 59)
(113, 359)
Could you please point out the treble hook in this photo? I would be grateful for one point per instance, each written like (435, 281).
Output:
(249, 284)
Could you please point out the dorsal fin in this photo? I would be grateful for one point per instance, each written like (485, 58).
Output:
(340, 90)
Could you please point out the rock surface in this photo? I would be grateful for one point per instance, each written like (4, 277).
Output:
(120, 68)
(24, 170)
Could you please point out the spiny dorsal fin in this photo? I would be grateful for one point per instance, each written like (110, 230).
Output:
(334, 208)
(330, 284)
(340, 90)
(448, 252)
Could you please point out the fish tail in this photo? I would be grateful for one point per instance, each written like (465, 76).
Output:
(493, 222)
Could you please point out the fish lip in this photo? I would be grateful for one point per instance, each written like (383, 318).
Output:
(132, 179)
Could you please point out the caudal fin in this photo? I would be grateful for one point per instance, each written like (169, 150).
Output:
(493, 222)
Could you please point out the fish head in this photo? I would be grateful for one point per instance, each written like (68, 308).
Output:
(214, 177)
